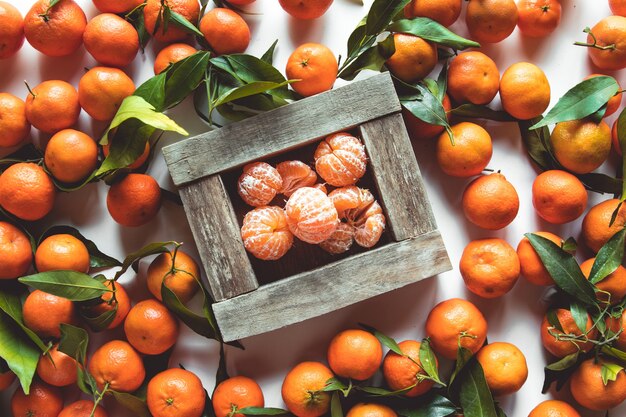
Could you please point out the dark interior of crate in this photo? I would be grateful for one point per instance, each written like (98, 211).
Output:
(302, 256)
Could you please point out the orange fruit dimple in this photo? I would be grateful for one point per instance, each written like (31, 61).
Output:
(43, 400)
(26, 191)
(470, 153)
(504, 366)
(445, 12)
(56, 368)
(175, 392)
(595, 228)
(491, 21)
(490, 267)
(71, 156)
(524, 91)
(265, 233)
(558, 196)
(15, 252)
(340, 241)
(403, 371)
(62, 252)
(554, 408)
(55, 31)
(614, 284)
(135, 200)
(82, 408)
(11, 30)
(182, 281)
(315, 68)
(355, 354)
(490, 202)
(259, 184)
(448, 324)
(189, 9)
(311, 215)
(171, 54)
(340, 159)
(305, 9)
(53, 106)
(295, 174)
(473, 77)
(371, 410)
(14, 127)
(562, 348)
(225, 31)
(150, 327)
(119, 365)
(538, 18)
(111, 40)
(302, 389)
(44, 313)
(122, 301)
(101, 91)
(239, 392)
(530, 264)
(413, 59)
(589, 389)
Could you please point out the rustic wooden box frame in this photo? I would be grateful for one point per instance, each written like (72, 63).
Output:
(242, 307)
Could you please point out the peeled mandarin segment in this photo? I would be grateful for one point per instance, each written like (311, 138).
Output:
(311, 215)
(340, 241)
(295, 174)
(345, 198)
(362, 212)
(265, 233)
(368, 234)
(340, 159)
(259, 184)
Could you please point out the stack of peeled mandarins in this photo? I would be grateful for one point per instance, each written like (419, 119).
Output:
(77, 341)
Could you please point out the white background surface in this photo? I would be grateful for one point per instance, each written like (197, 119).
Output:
(513, 318)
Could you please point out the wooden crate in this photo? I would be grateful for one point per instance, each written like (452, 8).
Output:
(414, 250)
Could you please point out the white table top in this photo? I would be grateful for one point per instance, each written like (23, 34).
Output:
(513, 318)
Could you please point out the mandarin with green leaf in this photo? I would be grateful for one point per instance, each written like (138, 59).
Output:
(404, 371)
(234, 394)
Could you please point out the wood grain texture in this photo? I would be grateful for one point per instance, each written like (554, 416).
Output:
(282, 129)
(397, 177)
(218, 238)
(340, 284)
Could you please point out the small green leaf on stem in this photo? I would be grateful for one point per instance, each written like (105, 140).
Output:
(386, 341)
(610, 371)
(74, 286)
(609, 257)
(432, 31)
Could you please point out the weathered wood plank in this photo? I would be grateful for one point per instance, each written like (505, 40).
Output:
(334, 286)
(217, 235)
(281, 129)
(398, 177)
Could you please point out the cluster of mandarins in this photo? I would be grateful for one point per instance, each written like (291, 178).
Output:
(333, 220)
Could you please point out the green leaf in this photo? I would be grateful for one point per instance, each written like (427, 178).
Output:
(426, 107)
(432, 31)
(148, 250)
(127, 144)
(100, 322)
(563, 269)
(537, 144)
(19, 352)
(335, 405)
(268, 56)
(436, 406)
(581, 101)
(614, 352)
(184, 23)
(97, 259)
(11, 302)
(463, 355)
(247, 68)
(386, 341)
(428, 360)
(135, 107)
(334, 384)
(442, 82)
(195, 322)
(74, 286)
(261, 411)
(359, 40)
(373, 58)
(601, 183)
(475, 397)
(560, 371)
(473, 111)
(381, 392)
(132, 403)
(248, 90)
(553, 320)
(183, 78)
(570, 245)
(610, 371)
(136, 18)
(153, 90)
(580, 316)
(381, 13)
(74, 342)
(609, 257)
